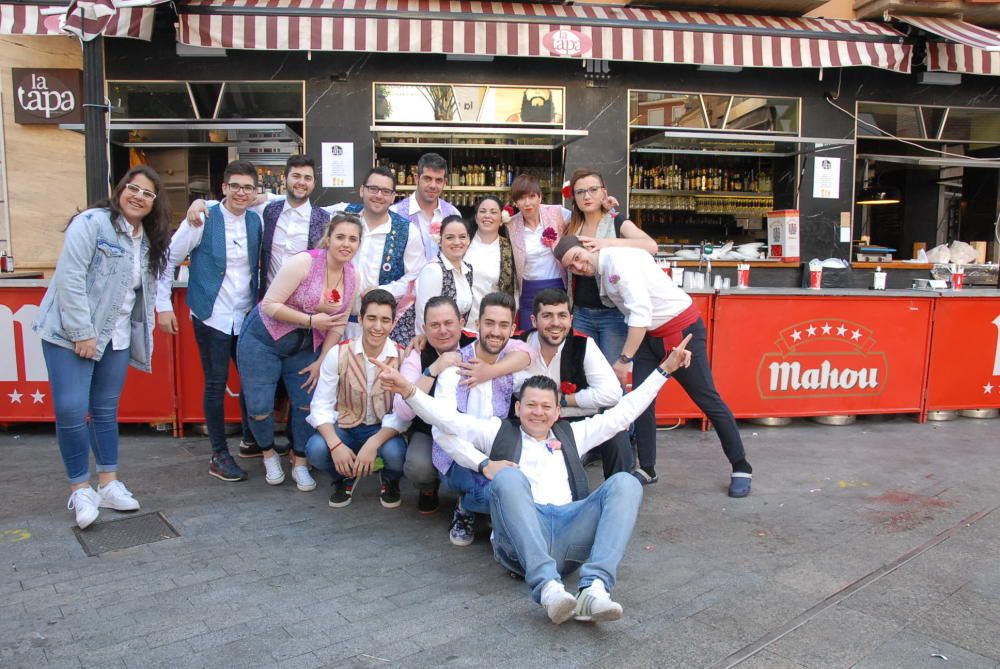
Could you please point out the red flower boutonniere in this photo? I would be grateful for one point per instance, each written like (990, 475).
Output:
(549, 236)
(567, 388)
(553, 445)
(566, 190)
(506, 214)
(614, 278)
(333, 296)
(435, 231)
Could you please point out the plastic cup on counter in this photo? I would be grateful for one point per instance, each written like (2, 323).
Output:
(957, 277)
(677, 274)
(743, 275)
(815, 274)
(878, 279)
(718, 282)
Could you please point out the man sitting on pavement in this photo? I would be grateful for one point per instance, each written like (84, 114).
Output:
(352, 413)
(545, 523)
(586, 382)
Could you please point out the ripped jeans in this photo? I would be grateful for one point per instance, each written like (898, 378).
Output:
(262, 361)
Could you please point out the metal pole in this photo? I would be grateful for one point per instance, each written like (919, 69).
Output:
(94, 120)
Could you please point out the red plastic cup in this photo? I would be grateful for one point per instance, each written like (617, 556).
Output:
(743, 278)
(957, 281)
(816, 279)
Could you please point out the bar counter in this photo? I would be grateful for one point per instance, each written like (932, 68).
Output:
(774, 351)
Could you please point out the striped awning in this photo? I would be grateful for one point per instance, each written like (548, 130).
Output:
(955, 30)
(951, 57)
(464, 27)
(18, 19)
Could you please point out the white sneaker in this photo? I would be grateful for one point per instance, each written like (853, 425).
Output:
(594, 604)
(116, 496)
(85, 501)
(274, 475)
(303, 480)
(559, 604)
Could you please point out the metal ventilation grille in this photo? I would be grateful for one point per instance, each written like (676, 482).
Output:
(114, 535)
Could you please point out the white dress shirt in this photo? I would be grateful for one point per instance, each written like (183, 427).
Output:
(549, 484)
(485, 258)
(408, 208)
(430, 282)
(235, 299)
(371, 256)
(639, 287)
(323, 408)
(291, 235)
(602, 391)
(121, 336)
(539, 263)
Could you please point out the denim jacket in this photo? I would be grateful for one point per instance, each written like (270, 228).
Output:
(88, 288)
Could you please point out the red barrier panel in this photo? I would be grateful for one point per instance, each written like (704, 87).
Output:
(190, 380)
(673, 403)
(965, 354)
(799, 355)
(24, 380)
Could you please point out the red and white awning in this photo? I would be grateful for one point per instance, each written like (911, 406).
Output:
(951, 57)
(540, 30)
(962, 32)
(124, 21)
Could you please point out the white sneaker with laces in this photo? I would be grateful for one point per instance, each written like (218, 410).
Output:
(559, 604)
(274, 474)
(594, 604)
(85, 501)
(116, 496)
(303, 479)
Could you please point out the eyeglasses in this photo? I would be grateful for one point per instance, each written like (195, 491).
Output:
(375, 190)
(242, 188)
(593, 190)
(139, 190)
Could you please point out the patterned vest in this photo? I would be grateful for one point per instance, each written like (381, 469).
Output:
(317, 224)
(507, 446)
(352, 389)
(448, 281)
(503, 390)
(395, 245)
(570, 360)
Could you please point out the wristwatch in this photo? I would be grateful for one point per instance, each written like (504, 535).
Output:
(482, 466)
(427, 373)
(624, 359)
(563, 402)
(664, 373)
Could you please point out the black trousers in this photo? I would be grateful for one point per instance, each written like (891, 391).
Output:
(697, 382)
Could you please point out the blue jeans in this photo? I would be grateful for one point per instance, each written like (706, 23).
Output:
(216, 349)
(473, 488)
(262, 362)
(393, 452)
(81, 386)
(607, 327)
(544, 542)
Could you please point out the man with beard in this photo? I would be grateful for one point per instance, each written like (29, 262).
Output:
(496, 325)
(586, 382)
(444, 336)
(658, 314)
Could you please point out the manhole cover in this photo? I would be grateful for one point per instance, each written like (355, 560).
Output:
(115, 535)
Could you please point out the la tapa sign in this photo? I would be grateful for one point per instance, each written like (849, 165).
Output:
(47, 96)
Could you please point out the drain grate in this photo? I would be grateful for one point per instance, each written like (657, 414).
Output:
(115, 535)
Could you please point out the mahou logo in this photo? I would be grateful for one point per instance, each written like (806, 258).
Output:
(823, 358)
(566, 42)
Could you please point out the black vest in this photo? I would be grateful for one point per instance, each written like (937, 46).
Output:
(571, 359)
(507, 446)
(427, 358)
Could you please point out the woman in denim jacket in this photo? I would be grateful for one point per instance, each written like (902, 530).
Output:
(95, 319)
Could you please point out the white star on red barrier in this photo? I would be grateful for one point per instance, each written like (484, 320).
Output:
(856, 335)
(15, 397)
(796, 335)
(988, 388)
(841, 331)
(38, 396)
(827, 328)
(811, 330)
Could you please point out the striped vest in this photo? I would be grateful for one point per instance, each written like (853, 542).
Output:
(353, 393)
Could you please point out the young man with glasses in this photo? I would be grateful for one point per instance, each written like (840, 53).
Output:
(222, 289)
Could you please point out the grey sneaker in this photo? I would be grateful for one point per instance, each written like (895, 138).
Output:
(594, 604)
(462, 528)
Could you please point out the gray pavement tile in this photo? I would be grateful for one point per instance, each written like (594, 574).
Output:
(900, 596)
(753, 612)
(835, 638)
(966, 619)
(768, 660)
(304, 661)
(681, 645)
(918, 651)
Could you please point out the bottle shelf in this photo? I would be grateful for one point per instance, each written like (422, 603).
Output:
(734, 194)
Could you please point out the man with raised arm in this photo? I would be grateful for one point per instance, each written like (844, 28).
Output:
(546, 523)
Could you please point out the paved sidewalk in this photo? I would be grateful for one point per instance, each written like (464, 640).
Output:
(869, 546)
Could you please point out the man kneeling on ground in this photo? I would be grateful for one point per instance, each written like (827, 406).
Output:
(539, 489)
